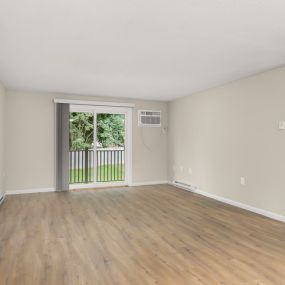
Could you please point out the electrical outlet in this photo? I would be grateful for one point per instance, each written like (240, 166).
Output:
(242, 181)
(281, 125)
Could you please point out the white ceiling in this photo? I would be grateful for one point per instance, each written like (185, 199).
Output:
(152, 49)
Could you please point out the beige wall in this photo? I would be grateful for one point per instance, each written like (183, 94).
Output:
(229, 132)
(2, 111)
(30, 141)
(221, 134)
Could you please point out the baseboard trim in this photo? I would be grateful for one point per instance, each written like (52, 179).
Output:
(149, 183)
(96, 185)
(259, 211)
(30, 191)
(72, 187)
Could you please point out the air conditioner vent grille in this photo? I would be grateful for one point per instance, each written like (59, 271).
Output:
(149, 118)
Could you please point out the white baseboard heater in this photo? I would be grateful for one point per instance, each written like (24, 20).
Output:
(184, 185)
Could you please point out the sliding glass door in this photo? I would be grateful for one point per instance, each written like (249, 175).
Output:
(99, 145)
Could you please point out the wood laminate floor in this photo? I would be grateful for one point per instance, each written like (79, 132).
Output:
(140, 235)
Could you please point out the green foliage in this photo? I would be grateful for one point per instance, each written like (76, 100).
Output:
(110, 130)
(81, 130)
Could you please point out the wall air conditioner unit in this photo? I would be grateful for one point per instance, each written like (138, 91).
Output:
(148, 118)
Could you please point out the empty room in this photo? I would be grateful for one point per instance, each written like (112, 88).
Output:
(142, 142)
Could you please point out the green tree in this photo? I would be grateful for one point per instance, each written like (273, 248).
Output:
(81, 130)
(110, 130)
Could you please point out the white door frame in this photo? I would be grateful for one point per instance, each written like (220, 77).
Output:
(128, 142)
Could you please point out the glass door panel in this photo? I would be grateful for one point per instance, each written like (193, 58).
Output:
(81, 147)
(110, 147)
